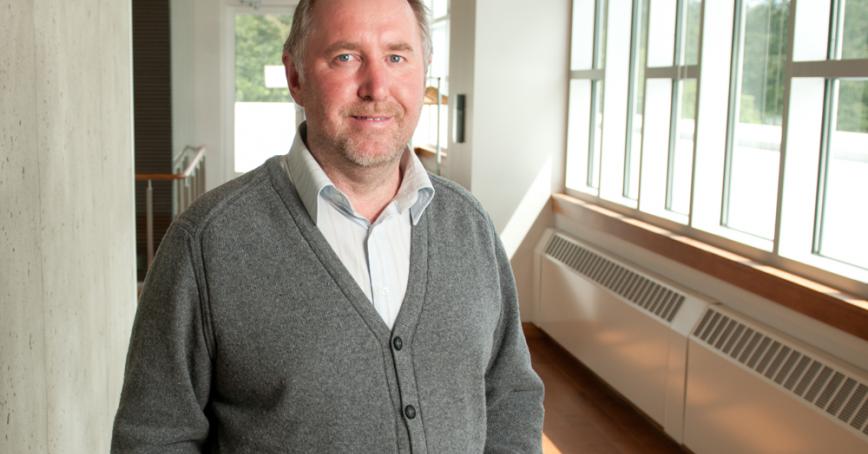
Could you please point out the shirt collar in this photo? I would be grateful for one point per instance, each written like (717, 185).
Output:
(311, 182)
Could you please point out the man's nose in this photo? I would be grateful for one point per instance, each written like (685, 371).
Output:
(374, 83)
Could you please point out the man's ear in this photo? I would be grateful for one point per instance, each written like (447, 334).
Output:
(293, 79)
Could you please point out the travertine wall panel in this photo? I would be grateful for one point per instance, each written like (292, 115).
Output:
(22, 354)
(68, 293)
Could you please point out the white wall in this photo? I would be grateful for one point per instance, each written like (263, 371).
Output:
(182, 20)
(198, 82)
(510, 57)
(520, 100)
(67, 277)
(462, 61)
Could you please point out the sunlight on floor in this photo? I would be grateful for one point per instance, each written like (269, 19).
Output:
(549, 447)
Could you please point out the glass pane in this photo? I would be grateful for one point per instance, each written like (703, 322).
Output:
(655, 145)
(431, 125)
(845, 218)
(681, 160)
(756, 139)
(661, 32)
(439, 8)
(856, 29)
(600, 43)
(428, 127)
(578, 134)
(597, 134)
(440, 58)
(634, 133)
(582, 43)
(692, 18)
(264, 113)
(811, 40)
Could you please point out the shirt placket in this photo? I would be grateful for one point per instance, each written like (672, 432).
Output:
(380, 283)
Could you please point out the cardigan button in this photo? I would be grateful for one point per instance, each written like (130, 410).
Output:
(397, 343)
(409, 412)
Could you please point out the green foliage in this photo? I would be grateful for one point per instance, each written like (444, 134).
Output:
(258, 42)
(853, 94)
(749, 112)
(856, 29)
(763, 59)
(692, 20)
(853, 106)
(688, 99)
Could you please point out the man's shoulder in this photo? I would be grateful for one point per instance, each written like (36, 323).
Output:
(240, 197)
(453, 196)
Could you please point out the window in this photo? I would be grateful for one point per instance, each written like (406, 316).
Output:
(262, 114)
(756, 115)
(433, 121)
(723, 123)
(670, 107)
(586, 95)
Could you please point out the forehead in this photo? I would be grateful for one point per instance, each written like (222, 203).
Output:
(380, 21)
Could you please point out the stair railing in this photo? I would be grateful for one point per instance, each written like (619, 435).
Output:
(188, 183)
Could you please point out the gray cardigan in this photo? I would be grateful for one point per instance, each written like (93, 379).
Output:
(251, 336)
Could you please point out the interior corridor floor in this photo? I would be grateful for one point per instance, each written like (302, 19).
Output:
(584, 415)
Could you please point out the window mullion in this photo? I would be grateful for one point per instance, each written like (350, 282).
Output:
(829, 121)
(693, 71)
(785, 124)
(631, 95)
(674, 113)
(836, 29)
(736, 74)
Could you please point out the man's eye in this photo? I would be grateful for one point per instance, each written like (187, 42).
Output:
(396, 58)
(344, 58)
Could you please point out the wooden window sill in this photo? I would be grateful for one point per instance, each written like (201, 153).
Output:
(828, 305)
(426, 151)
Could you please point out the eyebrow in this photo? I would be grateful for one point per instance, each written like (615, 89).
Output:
(401, 47)
(341, 45)
(348, 45)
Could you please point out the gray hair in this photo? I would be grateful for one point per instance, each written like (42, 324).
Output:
(301, 25)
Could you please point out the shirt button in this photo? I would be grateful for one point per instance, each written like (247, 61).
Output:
(409, 412)
(397, 343)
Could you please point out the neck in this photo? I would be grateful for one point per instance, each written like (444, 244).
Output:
(370, 189)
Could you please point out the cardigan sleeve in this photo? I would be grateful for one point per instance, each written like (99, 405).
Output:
(168, 369)
(514, 392)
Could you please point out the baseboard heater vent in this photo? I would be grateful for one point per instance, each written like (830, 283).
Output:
(658, 300)
(833, 391)
(626, 324)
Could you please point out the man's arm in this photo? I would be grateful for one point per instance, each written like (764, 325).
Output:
(168, 369)
(514, 392)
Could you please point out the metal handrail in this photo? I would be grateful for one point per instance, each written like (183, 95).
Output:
(194, 163)
(188, 183)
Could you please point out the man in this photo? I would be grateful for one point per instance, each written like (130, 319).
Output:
(336, 299)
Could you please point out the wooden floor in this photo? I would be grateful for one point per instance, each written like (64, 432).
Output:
(584, 415)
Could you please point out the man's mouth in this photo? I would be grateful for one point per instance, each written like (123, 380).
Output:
(370, 118)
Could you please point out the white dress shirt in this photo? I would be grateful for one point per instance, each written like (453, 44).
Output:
(376, 254)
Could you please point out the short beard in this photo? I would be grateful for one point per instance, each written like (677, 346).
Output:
(366, 151)
(351, 149)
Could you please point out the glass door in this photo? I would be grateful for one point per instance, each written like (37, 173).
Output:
(262, 116)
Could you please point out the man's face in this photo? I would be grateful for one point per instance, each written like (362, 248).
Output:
(363, 80)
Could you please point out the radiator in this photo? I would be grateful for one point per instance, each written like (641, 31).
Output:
(751, 389)
(627, 326)
(713, 379)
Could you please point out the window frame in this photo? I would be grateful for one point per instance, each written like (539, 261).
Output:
(828, 68)
(231, 9)
(595, 75)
